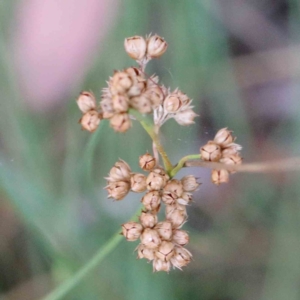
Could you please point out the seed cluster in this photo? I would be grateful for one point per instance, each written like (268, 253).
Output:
(160, 242)
(222, 149)
(132, 88)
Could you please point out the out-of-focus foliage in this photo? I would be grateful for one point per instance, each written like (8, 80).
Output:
(238, 60)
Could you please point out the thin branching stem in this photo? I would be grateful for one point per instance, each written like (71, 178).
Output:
(182, 162)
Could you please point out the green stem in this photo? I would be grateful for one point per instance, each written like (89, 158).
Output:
(181, 163)
(149, 127)
(72, 282)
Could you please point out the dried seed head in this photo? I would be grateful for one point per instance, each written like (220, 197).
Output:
(120, 171)
(165, 251)
(138, 182)
(180, 237)
(138, 86)
(86, 101)
(159, 265)
(135, 47)
(231, 149)
(156, 95)
(174, 186)
(156, 46)
(147, 162)
(90, 121)
(141, 103)
(210, 152)
(233, 159)
(150, 238)
(157, 179)
(144, 252)
(164, 230)
(151, 201)
(132, 231)
(118, 190)
(120, 82)
(181, 257)
(120, 103)
(176, 214)
(120, 122)
(148, 219)
(185, 198)
(185, 117)
(224, 137)
(172, 103)
(219, 176)
(189, 183)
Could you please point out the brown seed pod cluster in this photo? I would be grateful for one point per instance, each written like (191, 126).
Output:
(132, 88)
(222, 149)
(161, 242)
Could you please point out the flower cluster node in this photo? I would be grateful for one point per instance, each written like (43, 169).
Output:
(161, 242)
(222, 149)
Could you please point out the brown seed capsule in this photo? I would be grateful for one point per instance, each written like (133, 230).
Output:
(165, 251)
(185, 117)
(90, 121)
(231, 149)
(120, 122)
(219, 176)
(120, 103)
(174, 186)
(189, 183)
(135, 47)
(176, 214)
(132, 231)
(86, 101)
(169, 198)
(148, 219)
(147, 162)
(138, 86)
(150, 238)
(210, 152)
(138, 183)
(181, 257)
(185, 198)
(224, 137)
(144, 252)
(156, 46)
(159, 265)
(172, 103)
(233, 159)
(120, 171)
(120, 82)
(164, 230)
(141, 103)
(156, 95)
(157, 179)
(180, 237)
(151, 201)
(117, 190)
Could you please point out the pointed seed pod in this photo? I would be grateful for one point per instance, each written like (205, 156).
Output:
(224, 137)
(148, 219)
(164, 230)
(86, 101)
(219, 176)
(157, 179)
(189, 183)
(185, 198)
(159, 265)
(90, 121)
(120, 171)
(151, 201)
(135, 47)
(232, 148)
(180, 237)
(185, 117)
(156, 95)
(181, 257)
(176, 214)
(138, 86)
(132, 231)
(210, 152)
(117, 190)
(144, 252)
(156, 46)
(165, 251)
(120, 103)
(172, 103)
(120, 122)
(142, 104)
(120, 83)
(150, 238)
(138, 182)
(147, 162)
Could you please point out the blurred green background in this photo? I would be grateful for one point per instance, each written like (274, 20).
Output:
(238, 60)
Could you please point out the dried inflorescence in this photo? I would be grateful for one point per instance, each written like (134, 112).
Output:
(222, 149)
(161, 242)
(131, 88)
(130, 93)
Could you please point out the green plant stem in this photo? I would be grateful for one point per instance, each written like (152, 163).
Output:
(149, 127)
(181, 163)
(72, 282)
